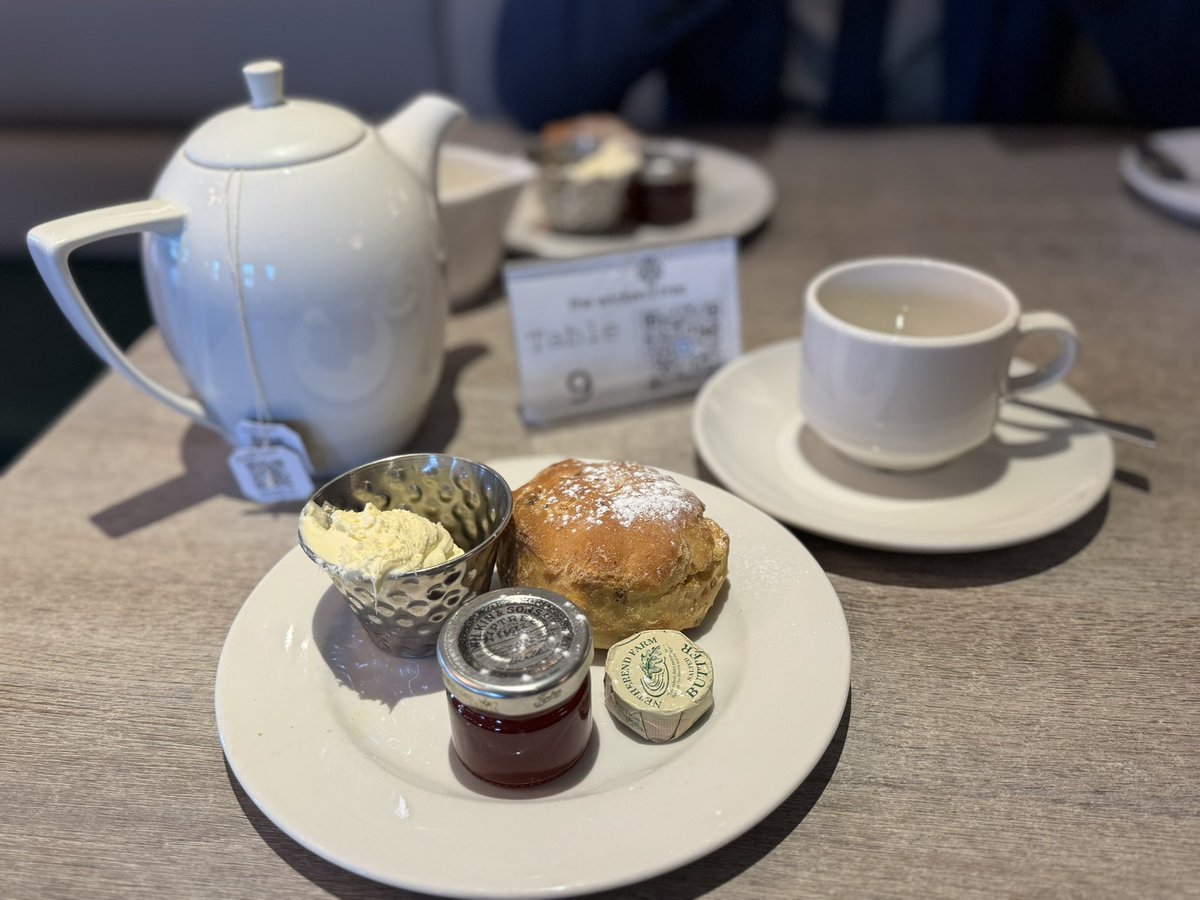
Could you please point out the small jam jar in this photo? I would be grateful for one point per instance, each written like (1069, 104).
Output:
(664, 192)
(515, 663)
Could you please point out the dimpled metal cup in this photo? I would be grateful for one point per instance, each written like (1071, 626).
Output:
(404, 611)
(596, 203)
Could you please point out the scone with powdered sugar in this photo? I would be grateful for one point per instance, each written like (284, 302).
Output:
(626, 543)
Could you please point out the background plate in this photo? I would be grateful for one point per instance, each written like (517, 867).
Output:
(734, 195)
(1180, 199)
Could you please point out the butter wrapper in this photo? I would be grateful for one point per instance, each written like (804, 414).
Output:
(658, 684)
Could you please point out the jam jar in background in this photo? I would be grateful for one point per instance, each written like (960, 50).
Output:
(664, 191)
(515, 663)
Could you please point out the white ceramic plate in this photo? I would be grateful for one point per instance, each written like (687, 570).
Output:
(1036, 475)
(1177, 198)
(733, 196)
(347, 749)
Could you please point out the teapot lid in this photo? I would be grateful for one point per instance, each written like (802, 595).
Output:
(271, 131)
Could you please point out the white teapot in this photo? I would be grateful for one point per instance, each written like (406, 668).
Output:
(295, 267)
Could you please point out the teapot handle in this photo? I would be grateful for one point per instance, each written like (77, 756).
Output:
(52, 244)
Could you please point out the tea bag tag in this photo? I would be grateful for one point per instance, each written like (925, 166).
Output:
(249, 433)
(270, 474)
(272, 464)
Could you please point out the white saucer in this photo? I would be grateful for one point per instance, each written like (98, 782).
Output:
(1036, 475)
(346, 749)
(733, 196)
(1180, 199)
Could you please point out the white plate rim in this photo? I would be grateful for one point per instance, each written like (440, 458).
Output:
(818, 624)
(863, 532)
(754, 206)
(1180, 200)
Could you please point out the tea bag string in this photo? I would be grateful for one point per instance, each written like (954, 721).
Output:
(233, 196)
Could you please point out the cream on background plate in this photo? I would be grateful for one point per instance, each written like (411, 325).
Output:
(1036, 475)
(734, 195)
(347, 749)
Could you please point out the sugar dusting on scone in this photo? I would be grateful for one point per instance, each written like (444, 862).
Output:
(626, 543)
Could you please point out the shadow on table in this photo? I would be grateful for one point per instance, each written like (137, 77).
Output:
(958, 570)
(206, 474)
(703, 875)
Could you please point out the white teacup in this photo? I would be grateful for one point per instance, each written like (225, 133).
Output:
(906, 359)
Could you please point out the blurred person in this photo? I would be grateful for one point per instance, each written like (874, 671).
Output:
(855, 61)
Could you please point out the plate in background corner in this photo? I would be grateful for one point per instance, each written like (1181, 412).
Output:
(1179, 199)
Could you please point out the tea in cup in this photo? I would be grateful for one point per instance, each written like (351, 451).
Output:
(905, 359)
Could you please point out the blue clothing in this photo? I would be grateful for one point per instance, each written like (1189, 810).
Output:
(722, 59)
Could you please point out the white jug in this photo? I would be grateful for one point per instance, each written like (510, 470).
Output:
(295, 267)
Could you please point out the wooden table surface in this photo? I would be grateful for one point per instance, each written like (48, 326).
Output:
(1021, 722)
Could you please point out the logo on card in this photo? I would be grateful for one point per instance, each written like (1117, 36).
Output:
(649, 270)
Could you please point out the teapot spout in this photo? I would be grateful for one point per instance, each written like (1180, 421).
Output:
(415, 133)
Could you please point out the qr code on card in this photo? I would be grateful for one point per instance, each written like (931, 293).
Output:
(270, 474)
(683, 343)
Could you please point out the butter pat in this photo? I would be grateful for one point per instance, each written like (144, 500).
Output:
(658, 684)
(375, 542)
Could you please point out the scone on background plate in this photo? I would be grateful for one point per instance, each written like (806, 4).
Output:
(629, 545)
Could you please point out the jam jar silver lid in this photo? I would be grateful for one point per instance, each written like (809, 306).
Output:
(515, 651)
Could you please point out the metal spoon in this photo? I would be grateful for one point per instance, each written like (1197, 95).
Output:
(1135, 434)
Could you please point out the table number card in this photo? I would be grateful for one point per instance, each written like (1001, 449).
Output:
(623, 328)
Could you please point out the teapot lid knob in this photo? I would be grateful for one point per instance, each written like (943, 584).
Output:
(264, 79)
(269, 133)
